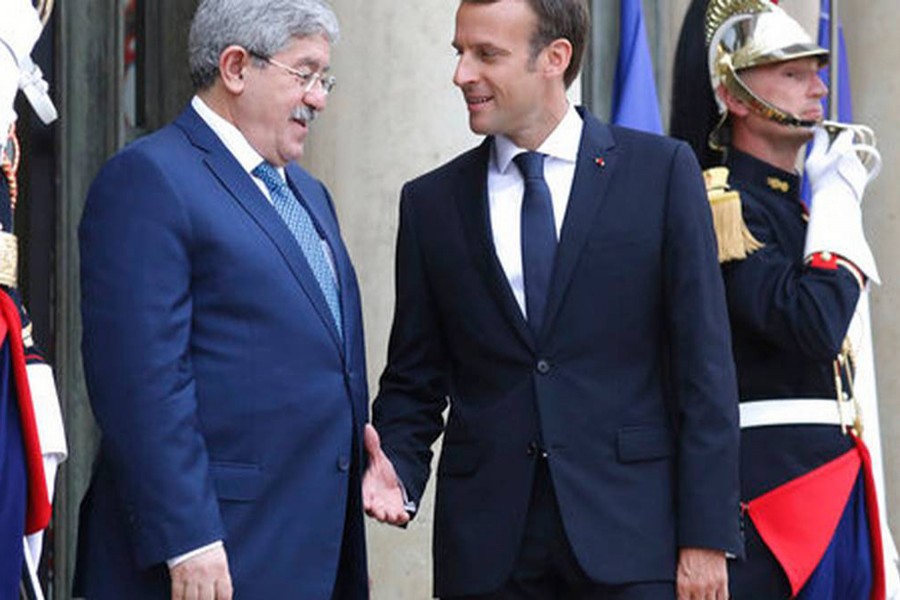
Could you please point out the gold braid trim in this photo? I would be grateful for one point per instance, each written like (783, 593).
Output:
(9, 163)
(735, 241)
(9, 259)
(845, 370)
(720, 11)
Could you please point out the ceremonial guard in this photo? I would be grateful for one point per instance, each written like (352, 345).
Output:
(793, 279)
(32, 442)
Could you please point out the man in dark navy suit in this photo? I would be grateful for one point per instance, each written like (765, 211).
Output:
(558, 286)
(223, 341)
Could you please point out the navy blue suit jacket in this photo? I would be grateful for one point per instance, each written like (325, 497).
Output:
(629, 388)
(228, 405)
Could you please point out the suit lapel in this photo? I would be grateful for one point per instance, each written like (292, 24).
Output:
(471, 197)
(596, 163)
(242, 189)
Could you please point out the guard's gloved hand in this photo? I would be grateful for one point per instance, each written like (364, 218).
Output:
(19, 30)
(838, 180)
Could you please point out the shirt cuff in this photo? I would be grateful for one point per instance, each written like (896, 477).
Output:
(408, 505)
(173, 562)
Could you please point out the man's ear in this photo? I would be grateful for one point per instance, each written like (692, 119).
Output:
(733, 103)
(233, 62)
(558, 55)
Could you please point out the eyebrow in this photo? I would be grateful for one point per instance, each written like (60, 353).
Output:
(311, 63)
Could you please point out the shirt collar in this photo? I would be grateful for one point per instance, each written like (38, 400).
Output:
(231, 137)
(562, 143)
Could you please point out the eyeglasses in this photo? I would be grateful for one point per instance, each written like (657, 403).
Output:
(306, 79)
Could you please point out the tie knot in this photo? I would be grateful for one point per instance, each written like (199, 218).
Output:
(269, 175)
(531, 164)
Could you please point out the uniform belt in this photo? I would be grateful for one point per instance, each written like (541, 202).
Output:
(796, 411)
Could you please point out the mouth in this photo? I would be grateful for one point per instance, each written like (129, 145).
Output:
(814, 114)
(476, 102)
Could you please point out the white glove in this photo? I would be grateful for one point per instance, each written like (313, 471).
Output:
(19, 31)
(838, 180)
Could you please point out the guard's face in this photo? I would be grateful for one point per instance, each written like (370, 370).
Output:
(794, 86)
(501, 84)
(276, 112)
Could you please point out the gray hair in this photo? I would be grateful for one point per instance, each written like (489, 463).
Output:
(261, 26)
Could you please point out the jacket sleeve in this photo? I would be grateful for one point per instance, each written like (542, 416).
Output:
(702, 373)
(413, 388)
(798, 307)
(135, 242)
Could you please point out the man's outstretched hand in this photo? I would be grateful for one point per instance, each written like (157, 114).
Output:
(382, 494)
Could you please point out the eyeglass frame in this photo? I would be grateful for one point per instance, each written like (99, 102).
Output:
(307, 80)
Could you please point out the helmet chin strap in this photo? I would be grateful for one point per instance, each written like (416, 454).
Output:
(730, 79)
(766, 109)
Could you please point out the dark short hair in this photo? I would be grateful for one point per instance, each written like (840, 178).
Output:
(565, 19)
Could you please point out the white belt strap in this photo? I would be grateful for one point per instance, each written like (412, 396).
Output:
(795, 411)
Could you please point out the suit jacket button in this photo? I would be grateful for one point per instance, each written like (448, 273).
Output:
(543, 367)
(343, 463)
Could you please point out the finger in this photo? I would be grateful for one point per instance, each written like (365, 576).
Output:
(843, 142)
(206, 590)
(819, 144)
(191, 591)
(224, 590)
(177, 589)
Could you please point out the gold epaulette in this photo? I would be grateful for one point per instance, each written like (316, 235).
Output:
(734, 239)
(9, 259)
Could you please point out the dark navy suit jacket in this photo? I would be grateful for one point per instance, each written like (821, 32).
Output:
(629, 388)
(229, 406)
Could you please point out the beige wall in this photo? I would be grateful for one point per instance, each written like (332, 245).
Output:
(873, 47)
(395, 115)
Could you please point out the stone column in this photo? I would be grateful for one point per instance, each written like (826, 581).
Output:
(873, 48)
(393, 115)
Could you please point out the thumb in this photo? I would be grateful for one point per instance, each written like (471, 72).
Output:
(819, 146)
(371, 441)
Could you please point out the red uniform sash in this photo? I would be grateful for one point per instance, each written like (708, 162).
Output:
(37, 515)
(797, 520)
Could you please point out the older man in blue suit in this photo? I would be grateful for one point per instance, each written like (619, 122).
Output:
(223, 343)
(559, 285)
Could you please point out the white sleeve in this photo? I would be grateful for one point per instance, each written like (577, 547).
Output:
(19, 30)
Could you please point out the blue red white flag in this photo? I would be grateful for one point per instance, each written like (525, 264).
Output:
(635, 103)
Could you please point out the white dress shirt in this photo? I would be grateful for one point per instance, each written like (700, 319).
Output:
(248, 158)
(506, 187)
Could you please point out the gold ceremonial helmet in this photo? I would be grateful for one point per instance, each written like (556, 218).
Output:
(741, 34)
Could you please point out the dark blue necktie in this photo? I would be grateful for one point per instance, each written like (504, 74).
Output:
(538, 237)
(299, 222)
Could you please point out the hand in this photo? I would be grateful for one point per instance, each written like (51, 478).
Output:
(202, 577)
(835, 167)
(382, 494)
(702, 574)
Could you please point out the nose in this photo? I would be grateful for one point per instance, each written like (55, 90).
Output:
(316, 97)
(819, 89)
(464, 72)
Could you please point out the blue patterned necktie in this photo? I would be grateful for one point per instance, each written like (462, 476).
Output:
(301, 226)
(538, 237)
